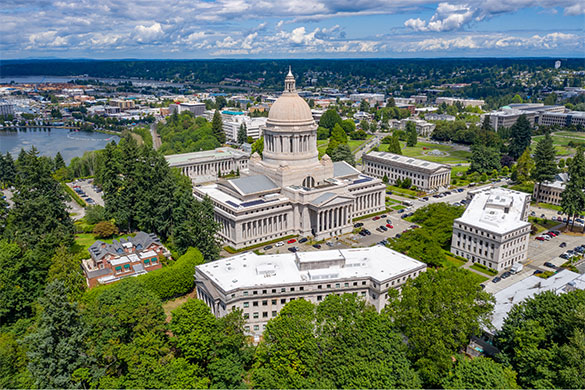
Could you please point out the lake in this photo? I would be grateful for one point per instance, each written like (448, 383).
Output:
(49, 141)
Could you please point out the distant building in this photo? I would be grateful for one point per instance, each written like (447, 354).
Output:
(425, 175)
(494, 229)
(464, 102)
(204, 166)
(423, 128)
(122, 104)
(196, 108)
(407, 106)
(6, 109)
(254, 126)
(372, 98)
(572, 118)
(534, 112)
(439, 117)
(261, 285)
(131, 256)
(550, 192)
(419, 99)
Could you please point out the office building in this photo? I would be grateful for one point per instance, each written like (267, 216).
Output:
(254, 126)
(261, 285)
(464, 102)
(6, 109)
(572, 118)
(205, 166)
(122, 104)
(551, 191)
(425, 175)
(494, 229)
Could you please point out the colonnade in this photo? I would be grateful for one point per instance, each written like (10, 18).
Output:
(368, 201)
(263, 226)
(441, 180)
(334, 218)
(212, 168)
(290, 143)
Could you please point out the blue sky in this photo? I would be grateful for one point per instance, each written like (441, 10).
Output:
(192, 29)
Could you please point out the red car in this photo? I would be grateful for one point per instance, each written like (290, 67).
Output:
(389, 226)
(539, 238)
(291, 241)
(550, 234)
(376, 218)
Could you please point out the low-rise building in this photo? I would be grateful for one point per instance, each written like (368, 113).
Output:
(254, 126)
(424, 175)
(550, 192)
(507, 117)
(464, 102)
(205, 166)
(129, 256)
(122, 104)
(371, 98)
(6, 109)
(494, 229)
(196, 108)
(572, 118)
(261, 285)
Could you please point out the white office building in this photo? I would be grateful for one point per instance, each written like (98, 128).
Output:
(494, 229)
(289, 191)
(202, 167)
(254, 126)
(464, 102)
(424, 175)
(262, 285)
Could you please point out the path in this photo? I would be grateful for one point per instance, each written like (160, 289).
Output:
(156, 141)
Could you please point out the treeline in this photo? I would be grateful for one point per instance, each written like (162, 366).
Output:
(183, 133)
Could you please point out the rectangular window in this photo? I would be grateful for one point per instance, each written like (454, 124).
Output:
(246, 316)
(328, 286)
(283, 289)
(301, 288)
(283, 301)
(292, 289)
(246, 304)
(319, 297)
(256, 327)
(245, 293)
(255, 303)
(337, 285)
(255, 315)
(274, 301)
(274, 291)
(345, 284)
(264, 303)
(363, 283)
(274, 313)
(265, 314)
(354, 284)
(264, 291)
(319, 287)
(255, 292)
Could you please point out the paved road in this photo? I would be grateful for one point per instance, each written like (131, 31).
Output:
(156, 141)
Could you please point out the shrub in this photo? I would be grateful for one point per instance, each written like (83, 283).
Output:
(175, 280)
(105, 229)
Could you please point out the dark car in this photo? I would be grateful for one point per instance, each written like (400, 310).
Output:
(414, 226)
(550, 265)
(389, 192)
(367, 232)
(401, 211)
(293, 249)
(267, 247)
(383, 216)
(398, 235)
(425, 198)
(384, 228)
(563, 244)
(496, 279)
(303, 240)
(389, 221)
(362, 233)
(317, 246)
(506, 274)
(564, 256)
(482, 286)
(358, 225)
(329, 243)
(538, 272)
(556, 232)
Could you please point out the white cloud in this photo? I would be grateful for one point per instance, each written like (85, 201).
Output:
(448, 17)
(149, 33)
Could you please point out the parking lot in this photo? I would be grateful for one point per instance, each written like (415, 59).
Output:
(89, 193)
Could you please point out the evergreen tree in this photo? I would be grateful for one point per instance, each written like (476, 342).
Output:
(411, 134)
(394, 145)
(521, 136)
(338, 134)
(242, 134)
(59, 162)
(343, 153)
(524, 167)
(484, 159)
(329, 119)
(7, 170)
(545, 166)
(56, 347)
(573, 197)
(217, 127)
(364, 106)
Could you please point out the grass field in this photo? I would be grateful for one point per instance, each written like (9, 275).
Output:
(353, 144)
(561, 141)
(85, 240)
(452, 156)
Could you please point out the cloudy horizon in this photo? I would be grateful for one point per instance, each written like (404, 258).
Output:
(146, 29)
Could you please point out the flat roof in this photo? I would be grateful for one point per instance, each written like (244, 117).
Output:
(498, 210)
(205, 156)
(249, 270)
(522, 290)
(415, 162)
(215, 193)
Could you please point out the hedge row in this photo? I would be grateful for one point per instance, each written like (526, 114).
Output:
(175, 280)
(74, 195)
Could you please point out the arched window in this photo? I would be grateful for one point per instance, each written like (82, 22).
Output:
(309, 182)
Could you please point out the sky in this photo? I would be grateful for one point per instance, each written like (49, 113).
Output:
(194, 29)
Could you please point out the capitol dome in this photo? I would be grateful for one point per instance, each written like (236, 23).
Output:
(290, 108)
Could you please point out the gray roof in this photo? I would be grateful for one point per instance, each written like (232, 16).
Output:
(252, 184)
(98, 273)
(341, 169)
(323, 198)
(141, 241)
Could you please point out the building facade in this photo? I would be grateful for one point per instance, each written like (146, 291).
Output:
(464, 102)
(205, 166)
(130, 256)
(261, 285)
(254, 127)
(289, 191)
(424, 175)
(494, 229)
(572, 118)
(550, 192)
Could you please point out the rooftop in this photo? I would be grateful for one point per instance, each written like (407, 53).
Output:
(498, 210)
(563, 281)
(206, 155)
(250, 270)
(397, 158)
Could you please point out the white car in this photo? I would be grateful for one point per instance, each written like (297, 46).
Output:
(278, 244)
(546, 237)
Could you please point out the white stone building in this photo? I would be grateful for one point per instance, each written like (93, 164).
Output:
(464, 102)
(424, 175)
(494, 229)
(289, 190)
(262, 285)
(550, 192)
(254, 127)
(205, 166)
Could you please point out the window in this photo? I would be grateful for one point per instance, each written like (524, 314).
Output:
(345, 284)
(274, 301)
(301, 288)
(264, 291)
(337, 285)
(255, 303)
(246, 316)
(246, 304)
(256, 327)
(233, 295)
(245, 293)
(247, 328)
(319, 287)
(255, 315)
(283, 301)
(255, 292)
(274, 313)
(363, 283)
(319, 297)
(292, 289)
(264, 303)
(283, 289)
(274, 291)
(265, 314)
(354, 284)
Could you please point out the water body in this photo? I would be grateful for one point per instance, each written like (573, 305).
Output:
(49, 141)
(65, 79)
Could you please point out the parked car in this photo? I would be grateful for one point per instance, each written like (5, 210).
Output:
(384, 228)
(278, 244)
(550, 234)
(317, 246)
(329, 243)
(563, 244)
(537, 272)
(565, 256)
(389, 226)
(496, 279)
(358, 225)
(401, 211)
(389, 192)
(426, 198)
(383, 216)
(267, 247)
(558, 233)
(506, 274)
(375, 218)
(291, 241)
(293, 249)
(398, 235)
(550, 265)
(389, 221)
(303, 240)
(539, 238)
(367, 232)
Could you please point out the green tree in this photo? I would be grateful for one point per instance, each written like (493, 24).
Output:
(573, 197)
(385, 179)
(480, 373)
(105, 229)
(217, 127)
(516, 99)
(66, 267)
(258, 146)
(59, 162)
(7, 170)
(421, 245)
(348, 125)
(524, 166)
(56, 348)
(365, 125)
(338, 134)
(545, 166)
(343, 153)
(364, 106)
(329, 119)
(550, 99)
(438, 312)
(242, 133)
(484, 159)
(95, 214)
(394, 145)
(411, 134)
(521, 136)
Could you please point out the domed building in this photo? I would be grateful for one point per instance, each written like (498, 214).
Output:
(289, 190)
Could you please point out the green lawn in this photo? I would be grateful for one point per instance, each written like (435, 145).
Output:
(85, 240)
(452, 156)
(561, 141)
(483, 270)
(353, 144)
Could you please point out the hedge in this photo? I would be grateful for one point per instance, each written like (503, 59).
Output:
(74, 195)
(175, 280)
